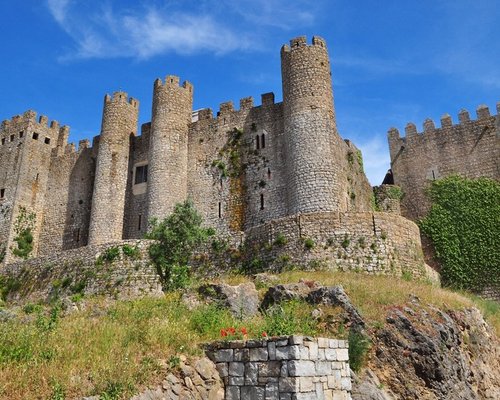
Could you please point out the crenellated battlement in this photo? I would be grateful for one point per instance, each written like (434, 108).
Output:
(446, 122)
(301, 42)
(121, 97)
(173, 81)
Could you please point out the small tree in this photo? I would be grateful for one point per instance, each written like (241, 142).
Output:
(23, 228)
(176, 237)
(464, 226)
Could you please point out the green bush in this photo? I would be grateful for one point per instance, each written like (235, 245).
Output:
(289, 318)
(359, 344)
(131, 252)
(309, 243)
(23, 228)
(464, 226)
(280, 240)
(175, 239)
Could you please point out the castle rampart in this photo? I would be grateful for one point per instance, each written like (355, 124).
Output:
(470, 148)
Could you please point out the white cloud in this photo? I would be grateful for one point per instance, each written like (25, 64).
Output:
(111, 30)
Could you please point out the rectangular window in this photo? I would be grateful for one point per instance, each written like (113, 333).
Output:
(11, 138)
(2, 193)
(21, 134)
(47, 140)
(35, 135)
(3, 141)
(141, 174)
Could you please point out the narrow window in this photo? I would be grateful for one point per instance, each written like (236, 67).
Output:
(2, 193)
(21, 134)
(257, 142)
(47, 140)
(263, 141)
(77, 235)
(141, 174)
(11, 138)
(261, 201)
(139, 222)
(433, 175)
(35, 135)
(37, 176)
(269, 173)
(3, 141)
(220, 210)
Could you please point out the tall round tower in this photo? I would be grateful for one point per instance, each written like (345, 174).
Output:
(310, 129)
(119, 121)
(168, 146)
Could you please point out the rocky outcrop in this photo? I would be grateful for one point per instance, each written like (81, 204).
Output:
(427, 353)
(241, 300)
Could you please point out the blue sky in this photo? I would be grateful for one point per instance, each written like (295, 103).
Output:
(393, 61)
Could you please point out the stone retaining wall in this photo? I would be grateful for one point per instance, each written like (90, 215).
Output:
(283, 368)
(86, 271)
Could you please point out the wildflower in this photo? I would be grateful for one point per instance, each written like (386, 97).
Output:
(244, 331)
(264, 334)
(223, 332)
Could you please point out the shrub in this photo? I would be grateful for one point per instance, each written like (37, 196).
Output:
(131, 252)
(23, 228)
(464, 226)
(289, 318)
(359, 344)
(309, 243)
(176, 237)
(280, 240)
(346, 242)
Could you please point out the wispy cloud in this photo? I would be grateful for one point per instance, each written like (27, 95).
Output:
(376, 159)
(141, 32)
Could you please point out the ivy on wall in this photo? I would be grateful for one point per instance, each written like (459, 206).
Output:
(23, 228)
(464, 226)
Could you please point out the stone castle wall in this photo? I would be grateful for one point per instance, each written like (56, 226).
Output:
(375, 242)
(82, 271)
(283, 368)
(470, 148)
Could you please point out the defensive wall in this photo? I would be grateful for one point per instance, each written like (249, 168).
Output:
(470, 148)
(373, 242)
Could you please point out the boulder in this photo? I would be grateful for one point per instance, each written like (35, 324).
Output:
(241, 300)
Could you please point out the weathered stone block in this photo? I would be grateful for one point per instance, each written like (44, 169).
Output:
(301, 368)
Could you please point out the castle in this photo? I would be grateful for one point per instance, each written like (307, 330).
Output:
(256, 172)
(470, 148)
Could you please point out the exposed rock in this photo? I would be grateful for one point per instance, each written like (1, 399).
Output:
(265, 279)
(366, 386)
(279, 293)
(434, 354)
(241, 300)
(336, 296)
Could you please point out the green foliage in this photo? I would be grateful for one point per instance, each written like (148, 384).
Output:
(407, 276)
(31, 308)
(57, 392)
(394, 192)
(359, 157)
(359, 344)
(289, 318)
(373, 203)
(280, 240)
(23, 228)
(8, 285)
(131, 252)
(109, 255)
(175, 239)
(346, 242)
(309, 243)
(3, 252)
(464, 226)
(209, 319)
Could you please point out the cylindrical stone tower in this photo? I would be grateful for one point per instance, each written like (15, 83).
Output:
(310, 129)
(119, 121)
(168, 146)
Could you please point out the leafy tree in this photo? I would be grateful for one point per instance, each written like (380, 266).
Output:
(175, 239)
(464, 226)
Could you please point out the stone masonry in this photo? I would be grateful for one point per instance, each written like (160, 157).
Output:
(283, 368)
(243, 168)
(470, 148)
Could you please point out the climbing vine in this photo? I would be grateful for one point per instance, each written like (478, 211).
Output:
(464, 226)
(23, 228)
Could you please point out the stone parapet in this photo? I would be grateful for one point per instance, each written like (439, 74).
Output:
(283, 368)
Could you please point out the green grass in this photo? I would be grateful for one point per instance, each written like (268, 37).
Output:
(117, 349)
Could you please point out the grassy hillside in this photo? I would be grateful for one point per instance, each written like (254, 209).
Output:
(114, 349)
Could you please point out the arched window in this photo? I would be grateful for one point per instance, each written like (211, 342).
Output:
(263, 140)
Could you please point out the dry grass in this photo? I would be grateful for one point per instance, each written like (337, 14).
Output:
(117, 349)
